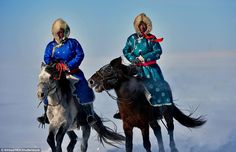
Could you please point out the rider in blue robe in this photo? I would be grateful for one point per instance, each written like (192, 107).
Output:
(69, 51)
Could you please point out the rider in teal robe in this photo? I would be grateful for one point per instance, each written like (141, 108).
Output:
(143, 49)
(150, 51)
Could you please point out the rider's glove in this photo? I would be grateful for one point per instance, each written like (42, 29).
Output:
(141, 58)
(136, 61)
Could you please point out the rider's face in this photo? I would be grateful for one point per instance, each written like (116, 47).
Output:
(142, 27)
(60, 34)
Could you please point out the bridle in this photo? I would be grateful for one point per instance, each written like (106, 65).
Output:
(114, 76)
(51, 89)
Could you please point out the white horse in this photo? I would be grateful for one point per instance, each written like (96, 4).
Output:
(62, 113)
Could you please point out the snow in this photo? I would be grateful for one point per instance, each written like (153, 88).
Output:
(205, 80)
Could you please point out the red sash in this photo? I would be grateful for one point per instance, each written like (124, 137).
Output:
(151, 37)
(74, 71)
(147, 63)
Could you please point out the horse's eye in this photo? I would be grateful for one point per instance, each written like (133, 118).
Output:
(108, 70)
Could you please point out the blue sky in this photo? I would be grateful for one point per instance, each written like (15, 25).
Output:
(103, 26)
(198, 60)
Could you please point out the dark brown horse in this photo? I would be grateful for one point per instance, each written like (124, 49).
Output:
(134, 108)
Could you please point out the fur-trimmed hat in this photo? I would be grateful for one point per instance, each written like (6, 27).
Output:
(146, 20)
(60, 24)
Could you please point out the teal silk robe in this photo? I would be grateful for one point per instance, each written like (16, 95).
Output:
(152, 75)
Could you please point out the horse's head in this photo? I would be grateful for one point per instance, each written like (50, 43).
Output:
(110, 75)
(48, 79)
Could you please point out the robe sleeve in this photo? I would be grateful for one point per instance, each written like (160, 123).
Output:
(127, 51)
(76, 61)
(48, 54)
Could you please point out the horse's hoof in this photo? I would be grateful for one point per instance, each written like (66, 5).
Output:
(174, 150)
(161, 150)
(83, 148)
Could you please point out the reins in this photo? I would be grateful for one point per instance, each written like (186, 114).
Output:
(49, 90)
(118, 99)
(58, 103)
(60, 67)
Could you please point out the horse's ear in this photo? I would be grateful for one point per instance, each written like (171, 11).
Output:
(43, 64)
(116, 62)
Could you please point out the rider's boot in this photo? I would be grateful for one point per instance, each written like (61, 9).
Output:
(44, 119)
(117, 115)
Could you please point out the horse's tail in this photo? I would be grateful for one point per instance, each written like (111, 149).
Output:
(187, 121)
(106, 134)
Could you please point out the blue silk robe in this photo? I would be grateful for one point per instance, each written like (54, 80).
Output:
(71, 53)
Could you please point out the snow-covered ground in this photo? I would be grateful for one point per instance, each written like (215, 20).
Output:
(205, 80)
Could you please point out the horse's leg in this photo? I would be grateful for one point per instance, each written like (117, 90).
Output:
(128, 137)
(51, 141)
(168, 115)
(85, 133)
(146, 141)
(50, 138)
(59, 137)
(157, 131)
(73, 140)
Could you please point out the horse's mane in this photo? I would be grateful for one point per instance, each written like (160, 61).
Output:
(63, 82)
(132, 86)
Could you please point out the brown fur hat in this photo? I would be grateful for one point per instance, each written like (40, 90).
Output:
(60, 24)
(146, 20)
